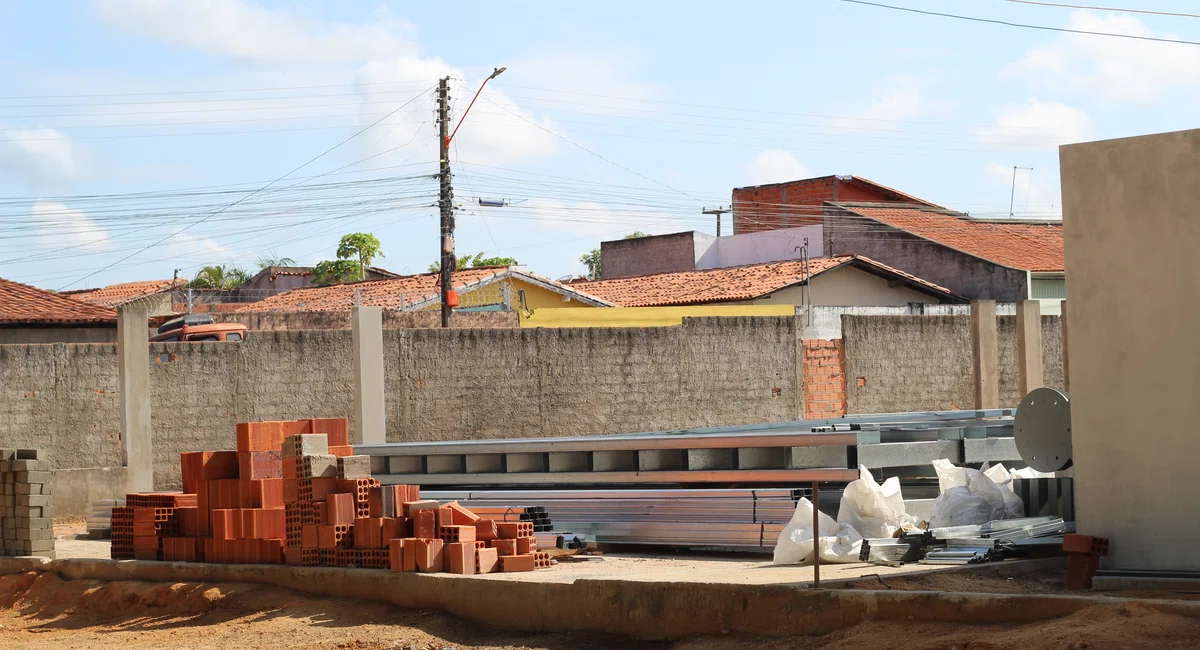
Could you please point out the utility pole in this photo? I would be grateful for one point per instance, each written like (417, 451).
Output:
(717, 211)
(1013, 195)
(445, 198)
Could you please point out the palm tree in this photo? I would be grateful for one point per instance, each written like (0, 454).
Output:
(219, 277)
(272, 259)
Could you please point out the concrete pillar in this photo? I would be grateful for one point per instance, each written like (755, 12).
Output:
(1029, 345)
(137, 436)
(985, 354)
(370, 414)
(1066, 358)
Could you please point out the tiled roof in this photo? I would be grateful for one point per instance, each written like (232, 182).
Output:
(376, 293)
(728, 284)
(884, 188)
(1024, 246)
(23, 304)
(115, 295)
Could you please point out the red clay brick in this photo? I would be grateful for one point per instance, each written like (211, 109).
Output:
(266, 493)
(309, 536)
(429, 556)
(291, 556)
(487, 560)
(504, 546)
(223, 525)
(396, 554)
(445, 516)
(290, 468)
(460, 558)
(368, 533)
(341, 450)
(526, 545)
(461, 515)
(515, 563)
(457, 533)
(260, 464)
(340, 509)
(337, 429)
(394, 528)
(291, 490)
(485, 530)
(514, 529)
(260, 436)
(327, 537)
(424, 524)
(410, 554)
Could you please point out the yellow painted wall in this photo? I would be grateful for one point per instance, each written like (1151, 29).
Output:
(644, 316)
(493, 294)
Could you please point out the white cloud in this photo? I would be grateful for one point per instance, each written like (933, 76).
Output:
(497, 131)
(56, 226)
(1113, 69)
(775, 166)
(1036, 124)
(40, 156)
(246, 31)
(900, 100)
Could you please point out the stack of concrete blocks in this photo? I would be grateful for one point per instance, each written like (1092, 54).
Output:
(27, 519)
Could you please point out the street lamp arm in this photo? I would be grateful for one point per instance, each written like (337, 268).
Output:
(495, 73)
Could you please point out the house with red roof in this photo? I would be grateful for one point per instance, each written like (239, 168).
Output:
(983, 259)
(153, 295)
(843, 280)
(32, 315)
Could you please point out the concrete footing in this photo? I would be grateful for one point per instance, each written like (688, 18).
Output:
(642, 610)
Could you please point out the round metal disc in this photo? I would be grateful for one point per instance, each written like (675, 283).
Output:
(1042, 429)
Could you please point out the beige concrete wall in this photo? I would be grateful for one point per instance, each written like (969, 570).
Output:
(846, 286)
(1131, 235)
(27, 335)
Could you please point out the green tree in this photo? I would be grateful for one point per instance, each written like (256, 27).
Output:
(219, 277)
(336, 271)
(362, 245)
(476, 261)
(592, 259)
(272, 259)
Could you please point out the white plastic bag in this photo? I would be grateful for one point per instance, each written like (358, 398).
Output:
(967, 497)
(837, 542)
(872, 509)
(1014, 507)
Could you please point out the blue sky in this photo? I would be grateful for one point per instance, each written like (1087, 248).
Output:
(123, 122)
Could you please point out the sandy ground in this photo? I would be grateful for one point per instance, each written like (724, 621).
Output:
(39, 611)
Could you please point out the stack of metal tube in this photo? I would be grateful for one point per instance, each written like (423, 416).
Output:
(724, 518)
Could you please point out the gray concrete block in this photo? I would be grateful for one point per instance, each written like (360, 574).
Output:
(305, 444)
(29, 511)
(30, 500)
(31, 465)
(8, 454)
(29, 488)
(350, 467)
(39, 522)
(33, 477)
(320, 466)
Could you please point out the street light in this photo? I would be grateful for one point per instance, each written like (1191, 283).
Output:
(495, 73)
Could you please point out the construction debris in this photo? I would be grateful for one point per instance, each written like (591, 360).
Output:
(294, 493)
(974, 544)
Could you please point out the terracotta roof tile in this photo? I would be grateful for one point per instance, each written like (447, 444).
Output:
(378, 293)
(1024, 246)
(115, 295)
(725, 284)
(22, 304)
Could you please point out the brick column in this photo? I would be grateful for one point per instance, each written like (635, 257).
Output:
(985, 354)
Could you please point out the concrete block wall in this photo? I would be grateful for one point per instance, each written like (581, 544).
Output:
(923, 363)
(579, 381)
(824, 379)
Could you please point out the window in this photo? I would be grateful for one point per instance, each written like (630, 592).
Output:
(203, 337)
(233, 336)
(1048, 288)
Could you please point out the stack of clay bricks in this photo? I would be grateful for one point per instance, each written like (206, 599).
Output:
(27, 513)
(294, 493)
(452, 538)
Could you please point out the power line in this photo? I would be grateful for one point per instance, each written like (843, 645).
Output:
(1120, 9)
(1022, 25)
(261, 189)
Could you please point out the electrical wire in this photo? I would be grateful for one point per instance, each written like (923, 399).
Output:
(1118, 9)
(263, 188)
(1022, 25)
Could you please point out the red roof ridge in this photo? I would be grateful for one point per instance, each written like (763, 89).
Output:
(25, 304)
